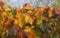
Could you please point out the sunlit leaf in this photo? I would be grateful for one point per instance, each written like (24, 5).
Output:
(31, 34)
(7, 8)
(50, 13)
(27, 17)
(31, 20)
(20, 24)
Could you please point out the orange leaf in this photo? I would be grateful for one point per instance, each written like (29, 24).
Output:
(57, 11)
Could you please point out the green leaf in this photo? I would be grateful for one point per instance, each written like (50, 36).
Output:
(13, 13)
(39, 21)
(58, 1)
(53, 35)
(38, 32)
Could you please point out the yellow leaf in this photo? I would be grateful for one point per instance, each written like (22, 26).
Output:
(15, 21)
(32, 27)
(27, 29)
(27, 17)
(10, 16)
(20, 24)
(4, 13)
(31, 20)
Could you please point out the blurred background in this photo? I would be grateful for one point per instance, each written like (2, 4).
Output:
(30, 22)
(34, 3)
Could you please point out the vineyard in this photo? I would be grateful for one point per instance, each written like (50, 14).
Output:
(29, 22)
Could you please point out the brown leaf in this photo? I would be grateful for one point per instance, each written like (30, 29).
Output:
(45, 35)
(21, 34)
(57, 11)
(2, 3)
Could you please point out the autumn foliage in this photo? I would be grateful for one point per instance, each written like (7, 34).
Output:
(29, 22)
